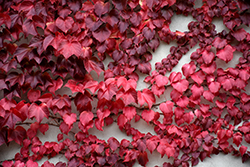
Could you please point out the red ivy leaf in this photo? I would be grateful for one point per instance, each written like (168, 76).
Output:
(31, 163)
(29, 28)
(243, 150)
(92, 23)
(146, 96)
(108, 92)
(2, 112)
(113, 143)
(143, 158)
(74, 86)
(239, 34)
(152, 143)
(121, 121)
(181, 86)
(188, 69)
(93, 65)
(70, 48)
(245, 98)
(198, 77)
(148, 33)
(175, 95)
(148, 115)
(120, 4)
(144, 67)
(126, 84)
(128, 97)
(226, 53)
(219, 43)
(45, 98)
(209, 68)
(183, 101)
(18, 135)
(165, 148)
(86, 52)
(64, 128)
(69, 119)
(43, 128)
(12, 117)
(91, 85)
(61, 101)
(101, 8)
(175, 77)
(158, 90)
(197, 91)
(29, 25)
(214, 87)
(227, 84)
(237, 138)
(7, 163)
(22, 108)
(102, 34)
(244, 75)
(167, 108)
(103, 114)
(33, 95)
(171, 2)
(57, 84)
(64, 25)
(208, 56)
(86, 117)
(3, 136)
(161, 80)
(38, 111)
(5, 19)
(48, 164)
(188, 117)
(129, 112)
(22, 51)
(220, 104)
(123, 26)
(135, 19)
(64, 12)
(154, 44)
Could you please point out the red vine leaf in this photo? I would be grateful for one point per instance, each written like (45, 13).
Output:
(161, 80)
(129, 112)
(121, 121)
(101, 8)
(146, 96)
(17, 134)
(64, 24)
(226, 53)
(68, 49)
(148, 115)
(144, 67)
(113, 143)
(181, 86)
(102, 34)
(86, 117)
(38, 111)
(31, 163)
(69, 119)
(33, 95)
(12, 117)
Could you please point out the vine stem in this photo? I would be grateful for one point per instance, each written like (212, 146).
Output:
(29, 123)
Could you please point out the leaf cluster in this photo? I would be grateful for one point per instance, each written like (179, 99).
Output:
(52, 45)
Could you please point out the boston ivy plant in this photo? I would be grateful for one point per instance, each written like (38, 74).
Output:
(66, 43)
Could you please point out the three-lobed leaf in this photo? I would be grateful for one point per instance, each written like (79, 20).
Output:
(146, 96)
(38, 111)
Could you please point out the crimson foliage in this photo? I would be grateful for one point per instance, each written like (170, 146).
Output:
(67, 40)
